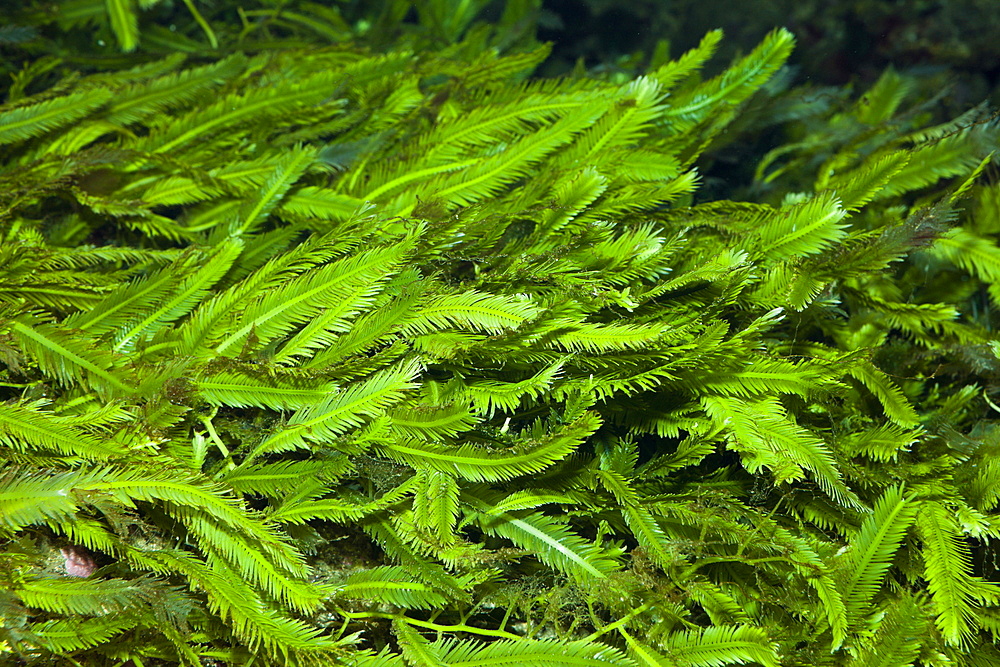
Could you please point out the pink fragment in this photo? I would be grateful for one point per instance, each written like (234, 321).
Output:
(78, 561)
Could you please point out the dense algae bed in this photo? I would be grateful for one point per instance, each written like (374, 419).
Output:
(330, 335)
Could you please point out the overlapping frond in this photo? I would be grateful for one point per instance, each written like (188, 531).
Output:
(553, 543)
(340, 411)
(476, 464)
(766, 437)
(722, 645)
(28, 428)
(871, 552)
(948, 570)
(71, 358)
(805, 227)
(27, 121)
(361, 344)
(392, 585)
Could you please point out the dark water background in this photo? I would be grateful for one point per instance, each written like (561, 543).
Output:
(839, 42)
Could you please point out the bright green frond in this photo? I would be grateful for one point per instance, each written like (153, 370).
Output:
(805, 227)
(183, 298)
(435, 504)
(70, 358)
(975, 254)
(28, 428)
(897, 407)
(872, 550)
(722, 645)
(87, 597)
(762, 377)
(764, 435)
(124, 23)
(553, 543)
(639, 519)
(541, 652)
(320, 204)
(897, 641)
(25, 122)
(273, 568)
(288, 168)
(244, 390)
(948, 570)
(490, 397)
(273, 479)
(471, 310)
(481, 464)
(860, 186)
(880, 443)
(140, 100)
(955, 154)
(74, 634)
(36, 498)
(300, 300)
(389, 585)
(736, 84)
(432, 422)
(349, 408)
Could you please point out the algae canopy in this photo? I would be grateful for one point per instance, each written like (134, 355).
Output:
(428, 333)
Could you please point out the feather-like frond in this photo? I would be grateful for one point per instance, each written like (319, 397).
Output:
(124, 22)
(28, 428)
(880, 443)
(894, 402)
(948, 570)
(481, 464)
(802, 228)
(391, 585)
(490, 396)
(897, 641)
(639, 519)
(762, 377)
(766, 437)
(25, 122)
(288, 168)
(244, 390)
(432, 422)
(75, 634)
(722, 645)
(70, 358)
(542, 652)
(188, 293)
(733, 86)
(552, 543)
(141, 100)
(29, 498)
(300, 300)
(435, 504)
(342, 410)
(870, 553)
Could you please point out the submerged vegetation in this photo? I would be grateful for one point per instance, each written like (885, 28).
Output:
(330, 341)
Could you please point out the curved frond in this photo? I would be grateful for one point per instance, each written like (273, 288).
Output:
(552, 543)
(722, 645)
(871, 552)
(349, 408)
(70, 358)
(25, 122)
(392, 585)
(948, 570)
(479, 464)
(28, 428)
